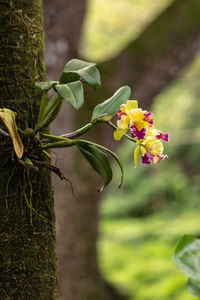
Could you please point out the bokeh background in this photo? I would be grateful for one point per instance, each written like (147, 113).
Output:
(119, 245)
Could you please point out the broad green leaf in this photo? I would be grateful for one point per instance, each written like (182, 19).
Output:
(98, 160)
(52, 114)
(43, 104)
(111, 105)
(187, 256)
(51, 105)
(8, 118)
(78, 69)
(194, 287)
(46, 85)
(72, 93)
(104, 118)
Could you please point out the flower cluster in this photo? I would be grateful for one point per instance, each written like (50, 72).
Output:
(140, 123)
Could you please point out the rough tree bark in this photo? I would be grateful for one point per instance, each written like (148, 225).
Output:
(27, 223)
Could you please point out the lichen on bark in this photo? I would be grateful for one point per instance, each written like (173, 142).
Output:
(27, 222)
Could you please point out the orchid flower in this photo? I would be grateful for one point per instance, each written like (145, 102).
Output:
(151, 147)
(133, 118)
(140, 124)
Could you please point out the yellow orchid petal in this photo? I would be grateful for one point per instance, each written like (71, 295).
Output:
(143, 150)
(156, 160)
(118, 134)
(123, 123)
(123, 108)
(152, 132)
(137, 155)
(131, 104)
(8, 118)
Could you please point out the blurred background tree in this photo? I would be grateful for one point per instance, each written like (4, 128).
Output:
(145, 45)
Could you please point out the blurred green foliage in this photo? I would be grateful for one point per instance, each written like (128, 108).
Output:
(136, 255)
(111, 24)
(174, 183)
(163, 201)
(142, 223)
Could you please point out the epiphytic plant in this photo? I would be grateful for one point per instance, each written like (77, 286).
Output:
(34, 142)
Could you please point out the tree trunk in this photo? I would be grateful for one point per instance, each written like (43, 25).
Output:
(63, 25)
(27, 223)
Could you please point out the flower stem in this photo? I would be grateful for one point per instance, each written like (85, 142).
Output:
(78, 132)
(59, 144)
(51, 137)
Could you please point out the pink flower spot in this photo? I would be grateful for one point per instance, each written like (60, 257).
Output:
(120, 114)
(163, 136)
(148, 118)
(140, 134)
(146, 159)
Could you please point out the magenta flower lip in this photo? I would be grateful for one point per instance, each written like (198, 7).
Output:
(163, 136)
(146, 159)
(148, 118)
(140, 134)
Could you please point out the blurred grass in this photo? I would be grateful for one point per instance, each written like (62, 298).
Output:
(136, 255)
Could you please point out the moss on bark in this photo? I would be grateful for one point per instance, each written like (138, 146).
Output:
(27, 222)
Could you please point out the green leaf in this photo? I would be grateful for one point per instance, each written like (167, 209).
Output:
(187, 256)
(194, 287)
(51, 105)
(43, 104)
(78, 69)
(104, 118)
(50, 117)
(46, 85)
(111, 105)
(49, 112)
(72, 93)
(98, 160)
